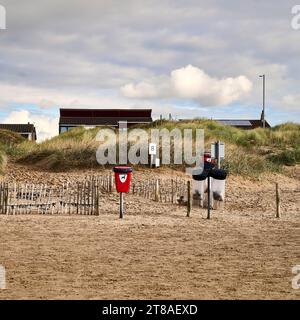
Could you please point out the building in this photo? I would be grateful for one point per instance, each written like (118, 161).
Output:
(25, 130)
(91, 118)
(243, 124)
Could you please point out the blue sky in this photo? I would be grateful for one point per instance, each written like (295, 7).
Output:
(189, 58)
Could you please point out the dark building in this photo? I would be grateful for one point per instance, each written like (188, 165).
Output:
(25, 130)
(91, 118)
(244, 124)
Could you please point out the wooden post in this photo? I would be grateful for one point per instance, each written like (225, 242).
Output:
(157, 191)
(98, 200)
(189, 204)
(6, 198)
(111, 183)
(208, 197)
(172, 187)
(278, 214)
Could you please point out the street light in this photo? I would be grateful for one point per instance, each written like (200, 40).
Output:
(263, 76)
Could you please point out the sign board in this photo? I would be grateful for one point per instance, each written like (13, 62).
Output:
(218, 150)
(157, 162)
(152, 148)
(123, 177)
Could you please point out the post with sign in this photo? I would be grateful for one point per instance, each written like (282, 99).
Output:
(218, 152)
(123, 179)
(209, 172)
(154, 161)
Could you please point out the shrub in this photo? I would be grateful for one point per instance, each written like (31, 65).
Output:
(286, 157)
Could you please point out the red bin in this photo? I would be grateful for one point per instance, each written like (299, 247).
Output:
(123, 178)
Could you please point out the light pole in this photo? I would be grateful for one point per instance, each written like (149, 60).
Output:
(263, 76)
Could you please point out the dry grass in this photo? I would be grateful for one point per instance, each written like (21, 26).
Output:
(250, 152)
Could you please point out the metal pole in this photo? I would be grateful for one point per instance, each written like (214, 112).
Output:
(208, 197)
(121, 205)
(218, 150)
(264, 100)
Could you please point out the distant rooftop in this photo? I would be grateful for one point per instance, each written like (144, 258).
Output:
(70, 118)
(242, 123)
(27, 130)
(19, 128)
(239, 123)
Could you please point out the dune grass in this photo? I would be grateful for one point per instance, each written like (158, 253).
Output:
(8, 142)
(248, 152)
(3, 162)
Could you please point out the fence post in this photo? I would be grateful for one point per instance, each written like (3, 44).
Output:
(277, 201)
(111, 183)
(157, 190)
(6, 198)
(189, 205)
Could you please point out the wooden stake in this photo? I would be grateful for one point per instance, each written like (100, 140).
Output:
(278, 213)
(189, 204)
(157, 190)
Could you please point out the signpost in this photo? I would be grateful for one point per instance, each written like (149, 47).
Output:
(218, 152)
(154, 161)
(123, 179)
(210, 172)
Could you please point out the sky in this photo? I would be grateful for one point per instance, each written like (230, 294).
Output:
(192, 58)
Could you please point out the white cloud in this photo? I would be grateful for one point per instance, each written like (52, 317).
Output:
(191, 83)
(46, 126)
(291, 102)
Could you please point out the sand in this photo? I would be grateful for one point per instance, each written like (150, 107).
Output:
(156, 252)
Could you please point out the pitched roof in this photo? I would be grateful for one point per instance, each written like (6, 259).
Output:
(19, 128)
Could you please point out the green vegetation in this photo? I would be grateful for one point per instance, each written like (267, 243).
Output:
(286, 157)
(8, 143)
(3, 161)
(248, 152)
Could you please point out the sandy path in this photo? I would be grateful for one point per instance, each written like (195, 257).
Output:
(156, 252)
(157, 256)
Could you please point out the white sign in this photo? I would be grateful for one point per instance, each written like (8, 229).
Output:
(152, 148)
(157, 162)
(215, 151)
(123, 177)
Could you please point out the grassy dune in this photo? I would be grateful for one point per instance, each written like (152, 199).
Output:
(8, 145)
(248, 153)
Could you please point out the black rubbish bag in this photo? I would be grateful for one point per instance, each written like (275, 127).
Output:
(218, 174)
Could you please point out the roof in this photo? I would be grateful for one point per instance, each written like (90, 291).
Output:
(104, 116)
(243, 123)
(19, 128)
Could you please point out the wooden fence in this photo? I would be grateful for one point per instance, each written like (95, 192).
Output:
(80, 198)
(173, 191)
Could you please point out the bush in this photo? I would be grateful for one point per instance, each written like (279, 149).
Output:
(286, 157)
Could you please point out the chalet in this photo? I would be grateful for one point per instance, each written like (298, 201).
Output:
(27, 131)
(91, 118)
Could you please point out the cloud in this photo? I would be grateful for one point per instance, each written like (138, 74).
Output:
(192, 83)
(71, 54)
(46, 126)
(291, 102)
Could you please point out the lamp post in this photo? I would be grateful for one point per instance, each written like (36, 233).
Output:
(263, 76)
